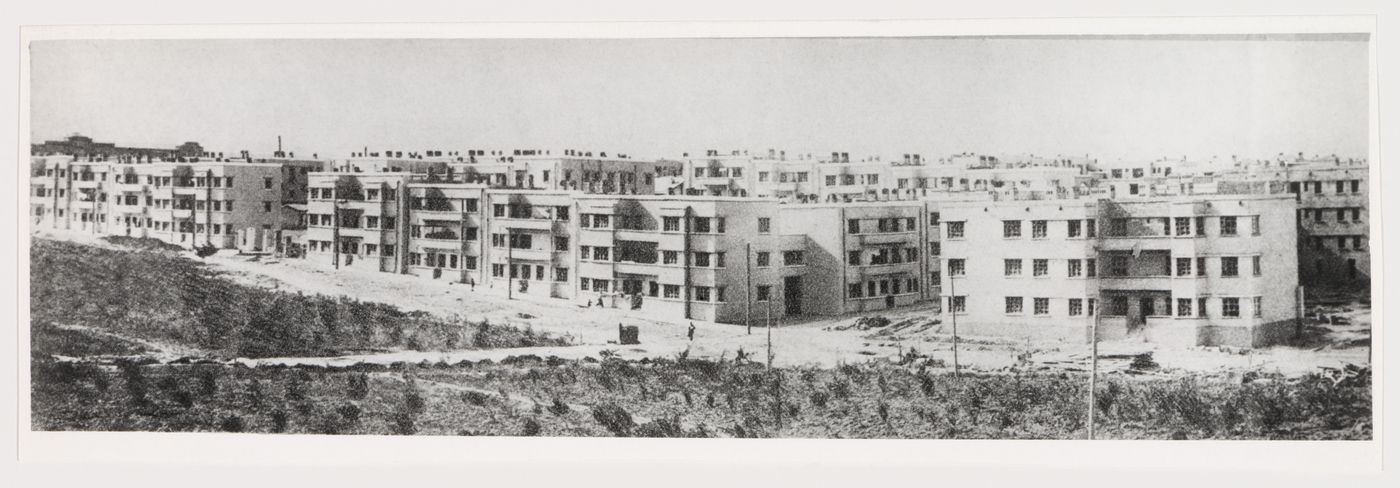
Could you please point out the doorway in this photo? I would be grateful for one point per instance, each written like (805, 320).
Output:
(792, 295)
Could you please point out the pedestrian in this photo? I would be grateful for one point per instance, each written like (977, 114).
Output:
(690, 333)
(472, 281)
(600, 305)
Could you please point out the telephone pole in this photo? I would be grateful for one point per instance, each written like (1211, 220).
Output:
(953, 313)
(748, 287)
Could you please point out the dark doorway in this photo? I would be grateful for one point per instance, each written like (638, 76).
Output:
(1351, 268)
(1146, 308)
(792, 295)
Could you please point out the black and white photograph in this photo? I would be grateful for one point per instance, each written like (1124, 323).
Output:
(916, 235)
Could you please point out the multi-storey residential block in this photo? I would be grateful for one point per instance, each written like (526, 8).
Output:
(534, 169)
(227, 204)
(1186, 270)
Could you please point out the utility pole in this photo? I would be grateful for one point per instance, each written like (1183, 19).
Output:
(768, 312)
(510, 267)
(748, 287)
(953, 313)
(1093, 368)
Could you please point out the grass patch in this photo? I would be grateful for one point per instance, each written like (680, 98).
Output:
(165, 297)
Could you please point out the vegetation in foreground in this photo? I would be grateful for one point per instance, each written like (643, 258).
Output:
(526, 396)
(159, 296)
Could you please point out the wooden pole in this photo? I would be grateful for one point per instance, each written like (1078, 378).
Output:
(769, 322)
(748, 287)
(953, 314)
(1093, 367)
(510, 253)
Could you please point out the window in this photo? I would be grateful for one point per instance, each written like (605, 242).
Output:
(1229, 266)
(702, 293)
(1092, 303)
(1118, 265)
(1341, 215)
(764, 225)
(701, 225)
(1091, 267)
(1040, 267)
(1200, 226)
(671, 291)
(933, 218)
(1355, 215)
(561, 243)
(1012, 267)
(1076, 268)
(1183, 307)
(1076, 307)
(670, 257)
(1011, 229)
(1091, 231)
(853, 258)
(957, 267)
(1258, 307)
(935, 248)
(792, 258)
(1042, 306)
(1341, 187)
(1227, 226)
(1356, 242)
(1074, 228)
(1038, 229)
(1200, 266)
(955, 230)
(854, 290)
(267, 206)
(830, 180)
(766, 291)
(852, 226)
(1201, 307)
(267, 183)
(1254, 225)
(1230, 307)
(958, 305)
(1118, 306)
(701, 259)
(1013, 305)
(1183, 226)
(671, 224)
(761, 259)
(1183, 266)
(1258, 265)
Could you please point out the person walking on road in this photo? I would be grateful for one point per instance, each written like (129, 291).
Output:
(690, 333)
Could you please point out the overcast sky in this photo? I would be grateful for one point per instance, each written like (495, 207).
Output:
(1114, 99)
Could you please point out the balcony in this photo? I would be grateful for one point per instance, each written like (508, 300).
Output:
(1131, 283)
(875, 239)
(525, 224)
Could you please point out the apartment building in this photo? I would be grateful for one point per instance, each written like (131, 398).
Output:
(224, 203)
(567, 169)
(1333, 200)
(1195, 270)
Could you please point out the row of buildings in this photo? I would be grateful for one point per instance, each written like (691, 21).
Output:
(1167, 251)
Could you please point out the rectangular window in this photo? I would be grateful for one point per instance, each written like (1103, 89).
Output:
(1011, 229)
(670, 257)
(1074, 228)
(852, 226)
(267, 183)
(1042, 306)
(765, 292)
(1040, 267)
(1258, 265)
(1038, 228)
(561, 243)
(1229, 266)
(671, 224)
(1091, 267)
(1227, 226)
(702, 293)
(1341, 187)
(959, 304)
(1183, 266)
(1254, 225)
(792, 258)
(955, 230)
(1090, 227)
(1118, 306)
(957, 267)
(935, 248)
(853, 258)
(1012, 267)
(761, 259)
(1075, 268)
(1230, 307)
(671, 291)
(1200, 266)
(1183, 307)
(1183, 226)
(1258, 307)
(1076, 307)
(764, 225)
(701, 259)
(1013, 305)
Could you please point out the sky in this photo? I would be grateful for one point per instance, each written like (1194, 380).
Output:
(1113, 99)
